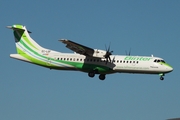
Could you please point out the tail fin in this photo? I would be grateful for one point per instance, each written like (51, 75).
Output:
(23, 41)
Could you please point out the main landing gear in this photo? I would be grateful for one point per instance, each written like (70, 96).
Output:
(91, 74)
(101, 76)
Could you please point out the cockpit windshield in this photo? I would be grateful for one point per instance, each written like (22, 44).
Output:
(158, 60)
(163, 61)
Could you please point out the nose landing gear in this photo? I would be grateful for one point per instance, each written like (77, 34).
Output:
(161, 76)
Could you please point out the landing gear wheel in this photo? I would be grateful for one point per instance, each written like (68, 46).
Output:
(91, 74)
(102, 76)
(161, 78)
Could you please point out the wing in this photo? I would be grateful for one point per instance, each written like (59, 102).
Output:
(78, 48)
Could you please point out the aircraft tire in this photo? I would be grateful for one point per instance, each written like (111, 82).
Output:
(91, 74)
(161, 78)
(102, 76)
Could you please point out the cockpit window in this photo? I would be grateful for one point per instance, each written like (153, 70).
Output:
(157, 60)
(163, 61)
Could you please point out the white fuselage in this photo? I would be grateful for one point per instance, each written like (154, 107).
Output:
(119, 63)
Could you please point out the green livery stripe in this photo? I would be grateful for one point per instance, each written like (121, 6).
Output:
(85, 66)
(27, 40)
(31, 50)
(26, 48)
(166, 64)
(18, 26)
(23, 35)
(19, 51)
(77, 65)
(34, 60)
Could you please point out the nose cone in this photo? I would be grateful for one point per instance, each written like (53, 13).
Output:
(169, 68)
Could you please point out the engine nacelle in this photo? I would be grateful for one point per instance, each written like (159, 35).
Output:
(99, 53)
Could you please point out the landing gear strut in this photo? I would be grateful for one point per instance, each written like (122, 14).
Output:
(161, 76)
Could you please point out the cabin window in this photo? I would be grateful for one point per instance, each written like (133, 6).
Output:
(77, 59)
(73, 59)
(123, 61)
(67, 58)
(133, 61)
(70, 59)
(64, 58)
(80, 59)
(130, 61)
(126, 61)
(94, 60)
(137, 62)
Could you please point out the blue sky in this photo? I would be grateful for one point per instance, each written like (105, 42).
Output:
(147, 27)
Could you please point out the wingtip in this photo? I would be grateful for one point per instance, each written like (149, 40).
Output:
(10, 27)
(63, 40)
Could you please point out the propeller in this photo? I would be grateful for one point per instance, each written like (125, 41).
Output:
(113, 59)
(108, 53)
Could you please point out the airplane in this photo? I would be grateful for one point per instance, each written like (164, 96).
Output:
(84, 59)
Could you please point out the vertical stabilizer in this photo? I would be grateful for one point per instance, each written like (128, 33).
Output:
(24, 43)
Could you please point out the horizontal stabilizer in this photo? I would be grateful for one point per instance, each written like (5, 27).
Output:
(10, 27)
(19, 57)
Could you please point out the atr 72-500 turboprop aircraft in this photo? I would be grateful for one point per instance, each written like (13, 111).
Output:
(85, 59)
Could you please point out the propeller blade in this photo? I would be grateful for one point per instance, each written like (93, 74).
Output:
(113, 59)
(108, 53)
(109, 47)
(128, 53)
(109, 59)
(106, 61)
(106, 47)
